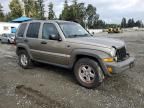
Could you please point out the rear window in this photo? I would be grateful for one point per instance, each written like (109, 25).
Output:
(33, 30)
(21, 30)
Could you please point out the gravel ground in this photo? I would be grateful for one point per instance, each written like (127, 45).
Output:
(46, 86)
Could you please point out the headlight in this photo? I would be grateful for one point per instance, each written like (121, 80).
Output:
(113, 52)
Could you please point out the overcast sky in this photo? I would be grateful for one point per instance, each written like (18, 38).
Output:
(112, 11)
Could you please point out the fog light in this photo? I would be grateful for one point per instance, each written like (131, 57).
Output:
(109, 69)
(108, 59)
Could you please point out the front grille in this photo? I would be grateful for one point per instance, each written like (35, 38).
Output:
(121, 54)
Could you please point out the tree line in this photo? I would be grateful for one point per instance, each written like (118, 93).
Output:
(87, 16)
(131, 23)
(30, 8)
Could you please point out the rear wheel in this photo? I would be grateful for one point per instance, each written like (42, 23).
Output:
(87, 72)
(24, 59)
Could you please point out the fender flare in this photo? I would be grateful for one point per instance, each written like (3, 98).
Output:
(25, 48)
(89, 53)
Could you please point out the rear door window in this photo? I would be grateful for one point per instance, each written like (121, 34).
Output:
(33, 30)
(21, 30)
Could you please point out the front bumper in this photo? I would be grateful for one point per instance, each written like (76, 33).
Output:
(11, 40)
(122, 66)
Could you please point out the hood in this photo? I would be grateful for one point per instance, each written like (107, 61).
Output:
(12, 37)
(98, 41)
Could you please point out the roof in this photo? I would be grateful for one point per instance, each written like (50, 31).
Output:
(22, 19)
(57, 21)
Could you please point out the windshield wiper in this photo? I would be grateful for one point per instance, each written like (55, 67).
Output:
(73, 36)
(85, 34)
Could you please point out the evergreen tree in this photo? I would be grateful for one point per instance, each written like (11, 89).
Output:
(1, 13)
(28, 7)
(75, 9)
(139, 23)
(16, 9)
(123, 23)
(8, 17)
(51, 14)
(79, 13)
(100, 24)
(65, 12)
(92, 16)
(131, 23)
(41, 8)
(31, 8)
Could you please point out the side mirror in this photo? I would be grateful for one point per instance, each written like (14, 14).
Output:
(54, 37)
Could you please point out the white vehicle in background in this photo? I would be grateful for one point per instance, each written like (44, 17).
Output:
(8, 38)
(8, 27)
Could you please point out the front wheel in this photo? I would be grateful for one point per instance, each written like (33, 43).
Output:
(87, 72)
(24, 59)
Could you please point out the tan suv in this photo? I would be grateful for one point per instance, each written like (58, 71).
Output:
(69, 45)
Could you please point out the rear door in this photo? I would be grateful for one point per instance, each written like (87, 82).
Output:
(32, 39)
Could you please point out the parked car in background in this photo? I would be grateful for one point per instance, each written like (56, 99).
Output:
(8, 38)
(0, 37)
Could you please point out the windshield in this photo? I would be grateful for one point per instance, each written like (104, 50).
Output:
(11, 35)
(73, 30)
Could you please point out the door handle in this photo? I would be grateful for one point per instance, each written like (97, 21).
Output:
(25, 40)
(68, 46)
(43, 42)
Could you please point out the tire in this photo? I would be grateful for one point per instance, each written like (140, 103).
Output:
(9, 42)
(1, 42)
(24, 59)
(87, 73)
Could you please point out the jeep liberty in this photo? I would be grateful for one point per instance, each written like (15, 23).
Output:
(69, 45)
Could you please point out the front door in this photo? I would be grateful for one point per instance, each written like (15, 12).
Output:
(52, 51)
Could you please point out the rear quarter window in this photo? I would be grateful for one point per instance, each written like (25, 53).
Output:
(21, 30)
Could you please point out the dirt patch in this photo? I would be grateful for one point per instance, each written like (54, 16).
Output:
(39, 98)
